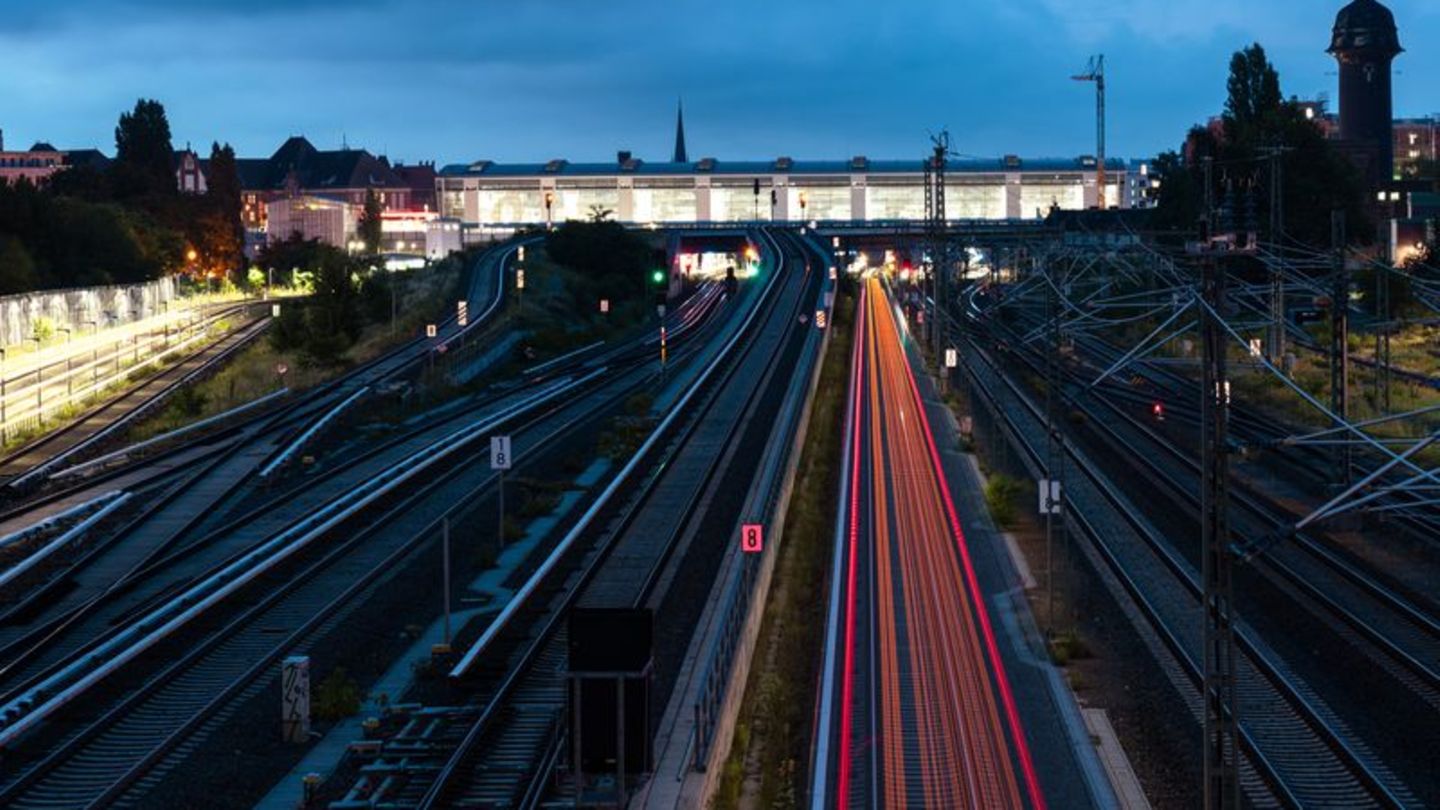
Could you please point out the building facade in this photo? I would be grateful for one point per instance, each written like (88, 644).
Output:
(493, 196)
(297, 168)
(35, 164)
(330, 221)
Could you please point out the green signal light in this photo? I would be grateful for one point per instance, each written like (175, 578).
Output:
(658, 276)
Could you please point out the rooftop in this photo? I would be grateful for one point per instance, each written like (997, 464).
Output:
(782, 165)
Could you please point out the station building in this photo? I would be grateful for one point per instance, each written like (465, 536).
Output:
(488, 197)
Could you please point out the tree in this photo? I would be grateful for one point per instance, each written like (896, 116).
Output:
(17, 269)
(143, 154)
(1254, 100)
(369, 229)
(219, 232)
(599, 213)
(609, 257)
(1317, 178)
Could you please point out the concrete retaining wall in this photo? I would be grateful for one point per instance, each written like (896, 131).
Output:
(81, 308)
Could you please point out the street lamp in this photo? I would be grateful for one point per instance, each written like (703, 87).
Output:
(69, 364)
(95, 351)
(4, 421)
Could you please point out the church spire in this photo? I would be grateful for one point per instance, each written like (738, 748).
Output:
(680, 156)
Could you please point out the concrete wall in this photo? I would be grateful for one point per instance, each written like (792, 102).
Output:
(81, 309)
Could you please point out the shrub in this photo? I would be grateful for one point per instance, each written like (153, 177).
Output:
(1001, 494)
(337, 697)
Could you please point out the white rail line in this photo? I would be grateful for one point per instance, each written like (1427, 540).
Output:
(523, 594)
(23, 713)
(117, 499)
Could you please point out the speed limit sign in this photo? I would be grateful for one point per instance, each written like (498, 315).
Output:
(752, 538)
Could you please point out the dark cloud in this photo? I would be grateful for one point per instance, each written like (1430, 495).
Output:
(527, 79)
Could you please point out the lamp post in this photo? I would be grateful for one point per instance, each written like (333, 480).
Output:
(69, 364)
(94, 351)
(4, 421)
(549, 206)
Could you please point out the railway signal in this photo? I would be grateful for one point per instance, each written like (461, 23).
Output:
(1157, 410)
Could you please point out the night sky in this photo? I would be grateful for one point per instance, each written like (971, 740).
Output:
(458, 80)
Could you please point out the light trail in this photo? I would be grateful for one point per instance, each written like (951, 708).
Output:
(948, 731)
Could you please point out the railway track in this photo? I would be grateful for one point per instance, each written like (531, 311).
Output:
(1401, 627)
(1298, 751)
(293, 575)
(164, 538)
(193, 357)
(509, 752)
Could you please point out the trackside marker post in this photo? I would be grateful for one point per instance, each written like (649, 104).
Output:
(500, 461)
(752, 538)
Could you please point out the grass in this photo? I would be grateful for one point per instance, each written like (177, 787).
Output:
(424, 296)
(772, 734)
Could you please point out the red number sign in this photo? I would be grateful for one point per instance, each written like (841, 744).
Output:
(752, 538)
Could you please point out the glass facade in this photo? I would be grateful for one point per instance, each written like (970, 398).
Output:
(578, 201)
(669, 203)
(736, 203)
(1037, 198)
(452, 203)
(511, 205)
(641, 199)
(895, 201)
(975, 200)
(821, 201)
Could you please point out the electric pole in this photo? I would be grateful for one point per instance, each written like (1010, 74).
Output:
(1275, 346)
(939, 241)
(1339, 340)
(1222, 715)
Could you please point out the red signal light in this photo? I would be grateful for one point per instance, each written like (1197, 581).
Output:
(1158, 411)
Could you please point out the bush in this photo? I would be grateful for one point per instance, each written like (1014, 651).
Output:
(189, 401)
(337, 697)
(1001, 494)
(1068, 646)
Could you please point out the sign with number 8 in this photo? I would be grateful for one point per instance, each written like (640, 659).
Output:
(752, 538)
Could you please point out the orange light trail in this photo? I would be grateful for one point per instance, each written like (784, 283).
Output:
(946, 717)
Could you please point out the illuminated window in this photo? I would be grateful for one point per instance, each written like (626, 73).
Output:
(975, 200)
(884, 202)
(731, 203)
(822, 202)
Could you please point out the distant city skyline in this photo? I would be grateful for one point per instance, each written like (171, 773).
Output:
(454, 82)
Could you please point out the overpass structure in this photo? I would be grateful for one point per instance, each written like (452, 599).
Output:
(489, 197)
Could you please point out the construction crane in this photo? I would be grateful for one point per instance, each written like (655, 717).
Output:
(1095, 72)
